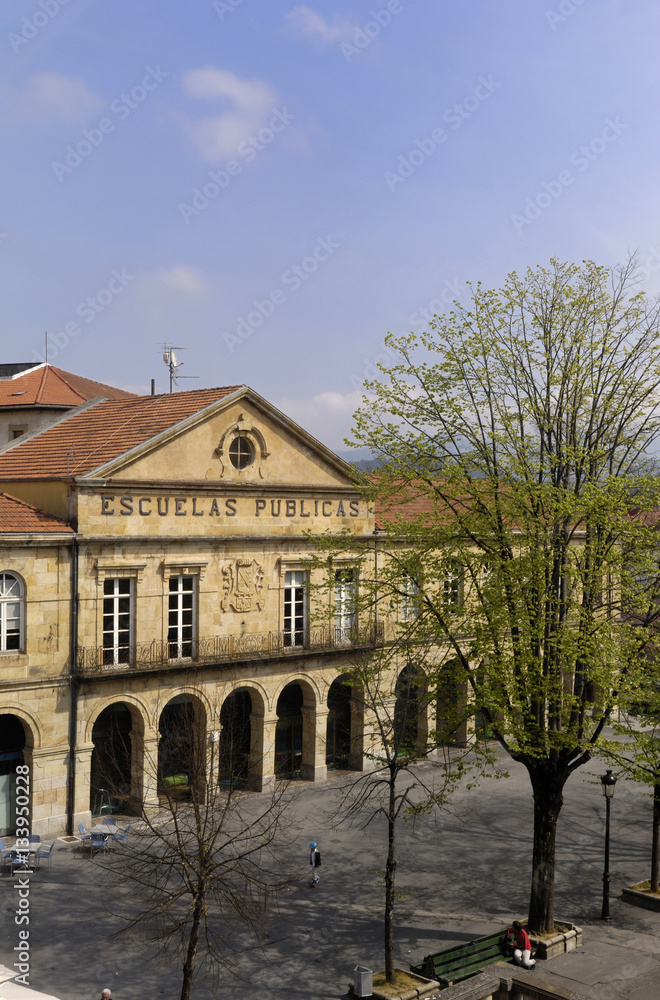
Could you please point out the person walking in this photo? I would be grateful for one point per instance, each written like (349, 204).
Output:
(315, 862)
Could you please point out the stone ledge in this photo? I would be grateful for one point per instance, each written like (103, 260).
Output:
(640, 895)
(425, 987)
(567, 938)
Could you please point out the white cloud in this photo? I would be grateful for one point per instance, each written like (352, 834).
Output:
(328, 416)
(53, 96)
(309, 24)
(247, 103)
(181, 278)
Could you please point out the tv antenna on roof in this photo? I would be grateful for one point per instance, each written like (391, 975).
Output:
(173, 364)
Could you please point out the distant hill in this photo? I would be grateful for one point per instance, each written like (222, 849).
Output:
(362, 458)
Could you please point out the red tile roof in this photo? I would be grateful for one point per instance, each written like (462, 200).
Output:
(97, 434)
(45, 385)
(18, 516)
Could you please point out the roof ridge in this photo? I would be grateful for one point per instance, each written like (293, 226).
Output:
(60, 373)
(42, 384)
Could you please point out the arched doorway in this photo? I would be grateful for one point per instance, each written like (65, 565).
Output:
(111, 770)
(235, 739)
(406, 711)
(12, 744)
(181, 760)
(450, 705)
(289, 732)
(338, 733)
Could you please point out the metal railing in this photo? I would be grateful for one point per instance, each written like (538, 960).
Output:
(94, 660)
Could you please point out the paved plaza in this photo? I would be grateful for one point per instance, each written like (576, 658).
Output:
(464, 872)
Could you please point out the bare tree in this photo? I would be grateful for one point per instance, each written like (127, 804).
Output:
(201, 865)
(389, 689)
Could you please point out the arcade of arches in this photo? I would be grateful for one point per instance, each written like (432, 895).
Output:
(135, 746)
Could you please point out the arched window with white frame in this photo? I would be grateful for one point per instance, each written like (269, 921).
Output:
(12, 601)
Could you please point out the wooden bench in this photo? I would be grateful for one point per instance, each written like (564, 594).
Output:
(464, 960)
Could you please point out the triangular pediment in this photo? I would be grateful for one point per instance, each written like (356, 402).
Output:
(242, 440)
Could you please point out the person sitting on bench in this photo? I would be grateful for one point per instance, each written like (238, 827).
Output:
(522, 951)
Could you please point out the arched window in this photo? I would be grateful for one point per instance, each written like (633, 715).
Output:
(11, 613)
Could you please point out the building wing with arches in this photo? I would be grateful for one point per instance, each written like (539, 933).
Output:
(155, 570)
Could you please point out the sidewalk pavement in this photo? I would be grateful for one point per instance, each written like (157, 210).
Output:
(461, 873)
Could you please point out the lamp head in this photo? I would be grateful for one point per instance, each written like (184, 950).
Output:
(608, 781)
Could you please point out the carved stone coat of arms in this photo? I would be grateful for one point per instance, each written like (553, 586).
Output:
(242, 586)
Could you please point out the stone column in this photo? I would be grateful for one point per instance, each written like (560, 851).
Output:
(82, 786)
(144, 772)
(48, 789)
(315, 728)
(261, 767)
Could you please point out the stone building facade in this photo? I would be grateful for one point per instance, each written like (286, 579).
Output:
(170, 576)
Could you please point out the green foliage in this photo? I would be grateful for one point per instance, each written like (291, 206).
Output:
(515, 438)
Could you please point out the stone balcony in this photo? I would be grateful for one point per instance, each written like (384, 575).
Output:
(95, 661)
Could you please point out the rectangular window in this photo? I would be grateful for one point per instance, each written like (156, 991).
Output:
(295, 608)
(117, 619)
(452, 585)
(181, 617)
(410, 599)
(345, 612)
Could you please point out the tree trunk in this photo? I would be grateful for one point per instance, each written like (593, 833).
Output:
(390, 870)
(547, 785)
(655, 845)
(191, 952)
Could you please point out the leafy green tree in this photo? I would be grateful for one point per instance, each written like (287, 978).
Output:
(516, 488)
(636, 752)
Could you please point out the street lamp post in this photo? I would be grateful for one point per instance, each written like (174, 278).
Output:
(608, 781)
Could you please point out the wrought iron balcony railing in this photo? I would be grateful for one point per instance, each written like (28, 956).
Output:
(95, 660)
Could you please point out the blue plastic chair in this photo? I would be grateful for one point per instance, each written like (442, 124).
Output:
(85, 838)
(5, 853)
(123, 837)
(34, 838)
(45, 853)
(99, 842)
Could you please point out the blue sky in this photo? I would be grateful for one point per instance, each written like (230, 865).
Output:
(273, 186)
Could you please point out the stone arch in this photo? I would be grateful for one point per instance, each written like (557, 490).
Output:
(137, 707)
(237, 717)
(340, 735)
(182, 750)
(31, 725)
(13, 782)
(451, 704)
(299, 743)
(410, 729)
(311, 686)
